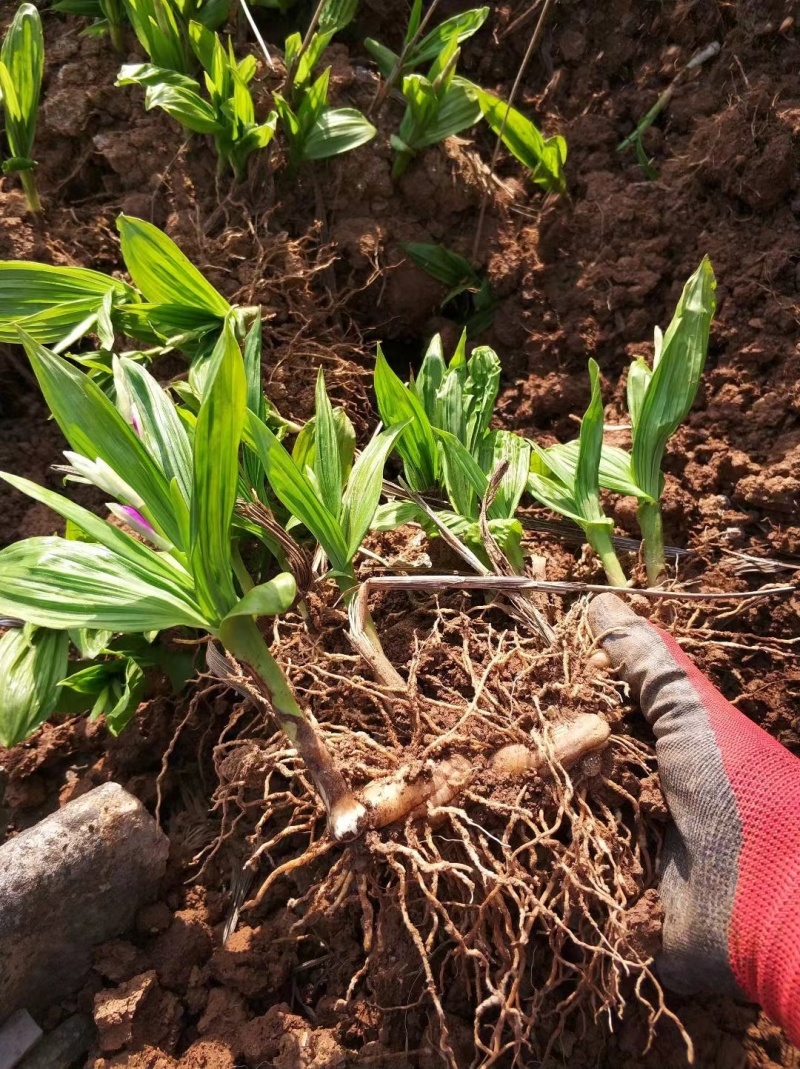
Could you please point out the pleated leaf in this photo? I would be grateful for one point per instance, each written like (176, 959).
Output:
(22, 56)
(327, 464)
(94, 428)
(161, 271)
(50, 302)
(416, 445)
(215, 476)
(544, 157)
(62, 584)
(335, 131)
(296, 493)
(363, 490)
(157, 422)
(675, 379)
(140, 558)
(33, 661)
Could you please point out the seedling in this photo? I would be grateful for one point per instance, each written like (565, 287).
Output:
(169, 305)
(419, 49)
(38, 681)
(164, 18)
(571, 485)
(108, 16)
(659, 400)
(334, 496)
(302, 55)
(436, 107)
(228, 115)
(447, 444)
(462, 281)
(21, 67)
(316, 131)
(544, 157)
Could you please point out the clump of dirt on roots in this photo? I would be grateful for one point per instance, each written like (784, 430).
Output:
(512, 917)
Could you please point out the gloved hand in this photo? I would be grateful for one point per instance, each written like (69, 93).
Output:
(731, 880)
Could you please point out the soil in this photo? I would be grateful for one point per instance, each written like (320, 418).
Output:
(586, 274)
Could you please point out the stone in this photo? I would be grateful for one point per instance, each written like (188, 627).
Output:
(75, 879)
(61, 1048)
(17, 1035)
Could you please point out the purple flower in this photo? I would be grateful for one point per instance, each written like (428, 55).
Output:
(136, 521)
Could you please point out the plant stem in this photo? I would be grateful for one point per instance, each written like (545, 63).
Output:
(367, 640)
(241, 637)
(115, 28)
(602, 542)
(650, 522)
(31, 192)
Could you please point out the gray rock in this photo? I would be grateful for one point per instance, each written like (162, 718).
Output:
(75, 879)
(62, 1047)
(17, 1035)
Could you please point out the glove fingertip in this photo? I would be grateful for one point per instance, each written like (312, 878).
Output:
(608, 612)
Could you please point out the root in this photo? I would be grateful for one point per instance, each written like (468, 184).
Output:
(516, 890)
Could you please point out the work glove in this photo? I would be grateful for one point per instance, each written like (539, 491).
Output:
(730, 884)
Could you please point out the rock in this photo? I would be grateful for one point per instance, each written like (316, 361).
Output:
(62, 1047)
(73, 880)
(18, 1034)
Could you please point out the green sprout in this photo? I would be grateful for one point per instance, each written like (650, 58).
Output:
(659, 400)
(108, 16)
(316, 131)
(228, 115)
(33, 661)
(568, 482)
(437, 106)
(170, 304)
(21, 68)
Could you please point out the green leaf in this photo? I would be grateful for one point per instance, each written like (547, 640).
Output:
(458, 27)
(163, 273)
(463, 477)
(335, 131)
(336, 14)
(675, 379)
(140, 558)
(89, 643)
(383, 56)
(215, 476)
(33, 661)
(60, 584)
(544, 157)
(393, 514)
(615, 467)
(327, 461)
(95, 429)
(296, 493)
(22, 63)
(587, 483)
(51, 302)
(430, 377)
(639, 375)
(416, 445)
(441, 263)
(156, 420)
(458, 109)
(268, 599)
(480, 393)
(506, 446)
(363, 491)
(147, 74)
